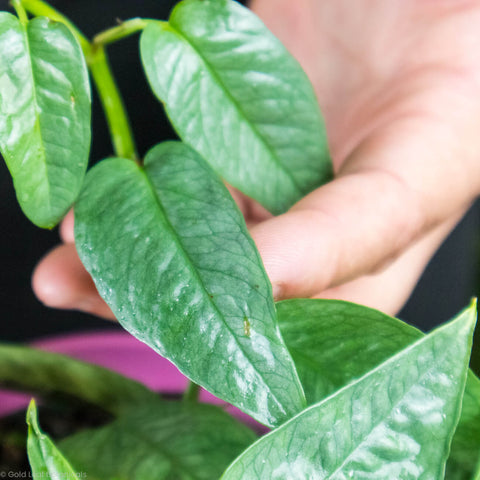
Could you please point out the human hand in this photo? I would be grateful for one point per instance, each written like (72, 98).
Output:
(398, 83)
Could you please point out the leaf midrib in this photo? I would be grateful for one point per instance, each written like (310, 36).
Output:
(352, 385)
(364, 439)
(206, 295)
(183, 36)
(37, 114)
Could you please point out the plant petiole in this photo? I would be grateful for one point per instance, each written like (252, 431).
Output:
(192, 392)
(96, 58)
(123, 30)
(118, 124)
(41, 8)
(21, 13)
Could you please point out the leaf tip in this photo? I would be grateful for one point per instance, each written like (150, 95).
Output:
(471, 310)
(473, 304)
(466, 320)
(32, 418)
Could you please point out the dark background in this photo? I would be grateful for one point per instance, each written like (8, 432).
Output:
(446, 286)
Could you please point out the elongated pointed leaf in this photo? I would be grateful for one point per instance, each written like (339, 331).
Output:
(178, 441)
(44, 115)
(235, 94)
(395, 422)
(334, 342)
(465, 452)
(477, 472)
(170, 253)
(39, 371)
(45, 458)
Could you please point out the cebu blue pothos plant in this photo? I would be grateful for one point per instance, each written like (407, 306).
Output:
(347, 391)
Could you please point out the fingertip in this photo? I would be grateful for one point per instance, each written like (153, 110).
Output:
(61, 281)
(288, 247)
(95, 305)
(45, 283)
(66, 228)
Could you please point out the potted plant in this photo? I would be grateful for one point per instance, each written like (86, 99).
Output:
(346, 391)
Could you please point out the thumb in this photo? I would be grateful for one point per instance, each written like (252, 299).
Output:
(390, 191)
(352, 226)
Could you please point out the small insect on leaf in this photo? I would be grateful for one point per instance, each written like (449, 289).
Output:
(395, 422)
(160, 210)
(246, 326)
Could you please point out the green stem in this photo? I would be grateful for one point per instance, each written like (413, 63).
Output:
(191, 393)
(123, 30)
(21, 13)
(115, 113)
(41, 8)
(117, 119)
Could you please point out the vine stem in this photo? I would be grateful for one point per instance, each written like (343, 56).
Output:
(191, 393)
(125, 29)
(97, 61)
(120, 130)
(21, 13)
(41, 8)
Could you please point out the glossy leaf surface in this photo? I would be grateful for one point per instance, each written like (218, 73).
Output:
(477, 472)
(35, 370)
(45, 459)
(44, 115)
(234, 93)
(170, 253)
(396, 422)
(180, 441)
(465, 452)
(334, 342)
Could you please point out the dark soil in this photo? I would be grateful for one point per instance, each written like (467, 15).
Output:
(57, 418)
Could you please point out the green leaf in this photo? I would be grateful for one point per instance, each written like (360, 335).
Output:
(45, 459)
(170, 253)
(477, 472)
(44, 115)
(465, 452)
(40, 371)
(396, 422)
(181, 442)
(334, 342)
(235, 94)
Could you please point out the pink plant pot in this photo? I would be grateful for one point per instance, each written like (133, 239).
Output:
(124, 354)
